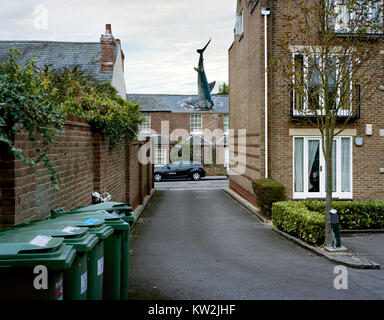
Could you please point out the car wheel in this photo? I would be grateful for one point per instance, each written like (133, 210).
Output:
(196, 176)
(158, 177)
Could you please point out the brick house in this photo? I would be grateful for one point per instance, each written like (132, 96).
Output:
(103, 60)
(293, 154)
(26, 192)
(180, 113)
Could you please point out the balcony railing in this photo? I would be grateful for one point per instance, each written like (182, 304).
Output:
(365, 20)
(351, 114)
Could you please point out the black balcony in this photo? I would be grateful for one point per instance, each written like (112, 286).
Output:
(351, 114)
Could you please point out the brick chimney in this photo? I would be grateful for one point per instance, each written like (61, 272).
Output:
(107, 49)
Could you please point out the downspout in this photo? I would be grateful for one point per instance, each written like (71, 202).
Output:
(266, 12)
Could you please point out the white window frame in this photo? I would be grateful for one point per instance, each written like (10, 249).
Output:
(145, 127)
(341, 112)
(344, 16)
(319, 195)
(239, 27)
(163, 157)
(193, 123)
(226, 124)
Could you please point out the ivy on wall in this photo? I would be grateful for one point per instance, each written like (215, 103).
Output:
(40, 100)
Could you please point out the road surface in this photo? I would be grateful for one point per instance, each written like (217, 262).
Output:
(202, 244)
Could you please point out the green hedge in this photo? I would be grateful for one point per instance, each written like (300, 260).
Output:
(305, 219)
(354, 215)
(296, 219)
(268, 191)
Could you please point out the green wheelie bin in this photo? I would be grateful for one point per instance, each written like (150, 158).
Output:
(115, 258)
(78, 278)
(98, 229)
(124, 210)
(126, 214)
(24, 259)
(122, 229)
(96, 261)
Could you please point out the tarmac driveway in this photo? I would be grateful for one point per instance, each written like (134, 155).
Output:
(202, 244)
(204, 183)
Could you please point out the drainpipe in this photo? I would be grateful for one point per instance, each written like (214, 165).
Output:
(266, 12)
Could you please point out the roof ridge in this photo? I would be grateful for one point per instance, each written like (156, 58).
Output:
(48, 41)
(159, 94)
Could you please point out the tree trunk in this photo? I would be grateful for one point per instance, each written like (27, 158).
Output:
(328, 196)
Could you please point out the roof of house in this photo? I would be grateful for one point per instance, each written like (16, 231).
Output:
(177, 103)
(86, 55)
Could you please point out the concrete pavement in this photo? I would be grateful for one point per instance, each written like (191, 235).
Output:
(215, 182)
(202, 244)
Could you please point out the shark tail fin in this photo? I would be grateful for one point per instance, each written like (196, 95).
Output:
(202, 50)
(211, 86)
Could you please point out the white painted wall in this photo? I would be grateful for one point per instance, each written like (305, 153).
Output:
(118, 80)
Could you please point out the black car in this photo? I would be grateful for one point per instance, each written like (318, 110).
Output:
(180, 170)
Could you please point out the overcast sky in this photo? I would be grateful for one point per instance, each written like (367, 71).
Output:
(159, 37)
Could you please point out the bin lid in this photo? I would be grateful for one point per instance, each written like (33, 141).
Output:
(81, 240)
(110, 219)
(61, 229)
(77, 220)
(91, 224)
(93, 217)
(101, 230)
(19, 249)
(34, 240)
(107, 206)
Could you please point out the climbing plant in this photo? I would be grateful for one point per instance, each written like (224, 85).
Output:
(25, 104)
(40, 100)
(108, 113)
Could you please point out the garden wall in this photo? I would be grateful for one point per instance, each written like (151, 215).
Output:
(26, 193)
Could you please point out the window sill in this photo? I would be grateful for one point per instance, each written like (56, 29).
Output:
(322, 198)
(353, 35)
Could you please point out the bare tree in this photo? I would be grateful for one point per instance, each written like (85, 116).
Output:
(328, 56)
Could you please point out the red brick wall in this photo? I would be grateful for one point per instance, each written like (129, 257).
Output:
(246, 106)
(211, 120)
(26, 193)
(134, 176)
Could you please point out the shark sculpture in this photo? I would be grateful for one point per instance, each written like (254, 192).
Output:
(204, 88)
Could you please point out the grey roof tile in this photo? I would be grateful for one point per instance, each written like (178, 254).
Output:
(86, 55)
(177, 103)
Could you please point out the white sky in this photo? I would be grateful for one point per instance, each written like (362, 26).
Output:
(159, 37)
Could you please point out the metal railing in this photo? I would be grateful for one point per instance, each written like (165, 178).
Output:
(351, 114)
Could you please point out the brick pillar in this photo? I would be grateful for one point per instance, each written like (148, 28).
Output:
(97, 157)
(141, 196)
(149, 178)
(7, 187)
(127, 171)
